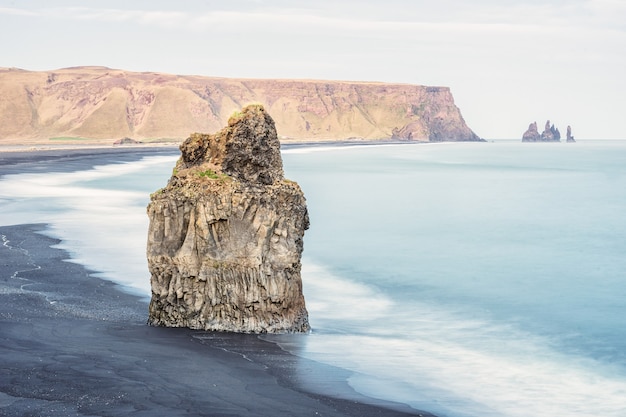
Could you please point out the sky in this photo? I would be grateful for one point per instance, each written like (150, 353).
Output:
(507, 62)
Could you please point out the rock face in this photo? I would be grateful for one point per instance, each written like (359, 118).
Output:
(226, 234)
(102, 103)
(549, 134)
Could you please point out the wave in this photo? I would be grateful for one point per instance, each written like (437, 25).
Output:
(455, 363)
(102, 228)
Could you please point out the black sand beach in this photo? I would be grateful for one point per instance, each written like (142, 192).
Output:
(68, 160)
(72, 344)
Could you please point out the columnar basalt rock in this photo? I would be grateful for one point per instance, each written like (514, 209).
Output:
(226, 234)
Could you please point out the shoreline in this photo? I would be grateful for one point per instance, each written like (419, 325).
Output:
(55, 150)
(23, 158)
(75, 344)
(73, 159)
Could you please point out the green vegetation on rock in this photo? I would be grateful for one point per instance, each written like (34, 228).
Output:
(209, 173)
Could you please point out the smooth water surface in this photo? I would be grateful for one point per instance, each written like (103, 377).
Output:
(467, 279)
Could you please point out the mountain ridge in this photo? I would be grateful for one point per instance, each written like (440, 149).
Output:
(106, 104)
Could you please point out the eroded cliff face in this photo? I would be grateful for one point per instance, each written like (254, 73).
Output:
(226, 234)
(107, 104)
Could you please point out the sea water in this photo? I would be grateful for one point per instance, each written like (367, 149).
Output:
(100, 214)
(466, 279)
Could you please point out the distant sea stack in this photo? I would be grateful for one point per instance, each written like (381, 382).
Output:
(101, 104)
(226, 234)
(550, 133)
(570, 138)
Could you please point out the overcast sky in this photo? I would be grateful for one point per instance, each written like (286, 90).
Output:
(508, 62)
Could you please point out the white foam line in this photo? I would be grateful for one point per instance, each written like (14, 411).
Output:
(15, 275)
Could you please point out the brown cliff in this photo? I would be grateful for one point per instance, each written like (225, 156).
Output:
(103, 103)
(226, 234)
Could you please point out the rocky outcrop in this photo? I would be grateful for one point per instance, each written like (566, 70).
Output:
(569, 136)
(226, 234)
(531, 134)
(102, 103)
(549, 134)
(126, 141)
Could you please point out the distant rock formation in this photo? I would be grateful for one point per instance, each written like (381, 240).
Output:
(550, 133)
(570, 138)
(126, 141)
(103, 103)
(532, 134)
(226, 234)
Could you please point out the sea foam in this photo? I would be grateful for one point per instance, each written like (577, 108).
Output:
(102, 226)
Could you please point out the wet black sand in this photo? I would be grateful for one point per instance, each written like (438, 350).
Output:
(68, 160)
(72, 344)
(75, 345)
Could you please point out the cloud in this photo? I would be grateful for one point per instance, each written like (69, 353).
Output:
(610, 13)
(372, 19)
(16, 12)
(147, 17)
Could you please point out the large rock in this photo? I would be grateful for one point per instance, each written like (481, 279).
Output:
(549, 134)
(569, 136)
(225, 235)
(532, 134)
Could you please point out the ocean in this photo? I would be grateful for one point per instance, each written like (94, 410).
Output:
(465, 279)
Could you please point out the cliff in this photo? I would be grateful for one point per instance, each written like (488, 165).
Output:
(226, 234)
(107, 104)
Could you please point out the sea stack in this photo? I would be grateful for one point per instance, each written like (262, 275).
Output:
(226, 234)
(570, 138)
(531, 134)
(550, 133)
